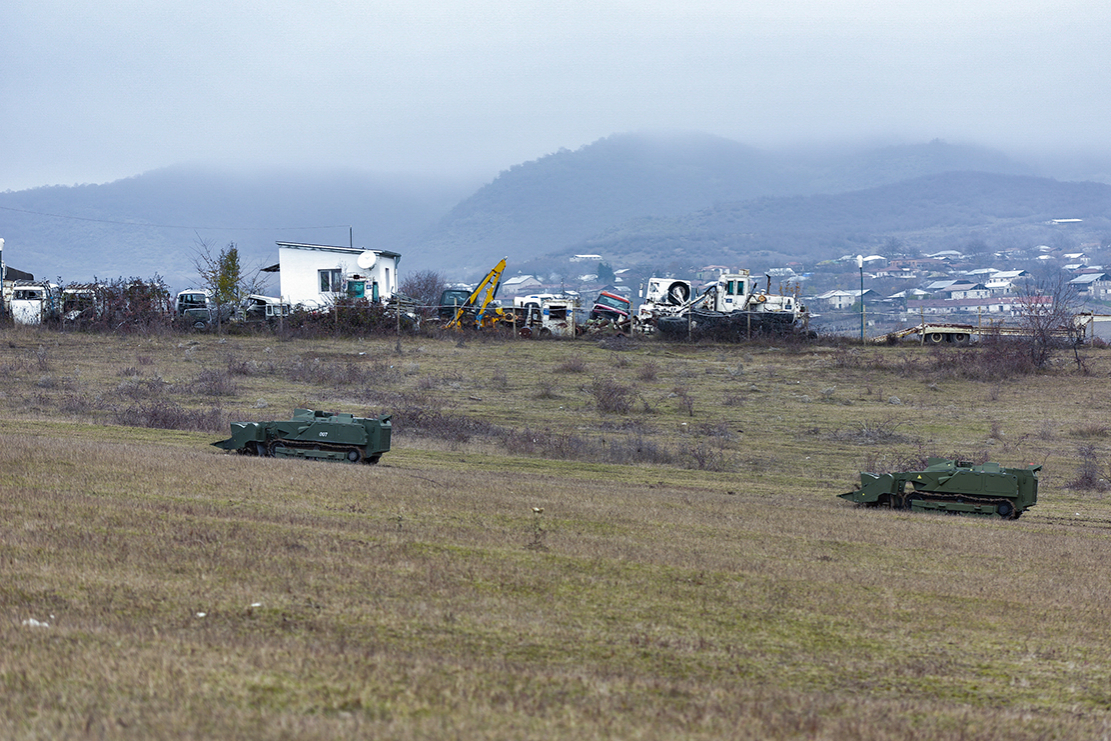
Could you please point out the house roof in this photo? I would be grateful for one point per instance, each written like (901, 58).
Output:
(519, 279)
(335, 248)
(1088, 278)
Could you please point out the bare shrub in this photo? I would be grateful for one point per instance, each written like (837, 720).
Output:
(499, 381)
(214, 383)
(1092, 430)
(547, 390)
(573, 364)
(707, 458)
(611, 397)
(996, 359)
(648, 372)
(348, 373)
(239, 367)
(422, 420)
(684, 399)
(167, 415)
(1088, 477)
(880, 431)
(140, 388)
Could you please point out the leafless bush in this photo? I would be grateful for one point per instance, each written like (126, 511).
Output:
(1088, 476)
(732, 399)
(1092, 430)
(707, 458)
(880, 431)
(423, 420)
(499, 381)
(611, 397)
(547, 390)
(573, 364)
(140, 388)
(167, 415)
(348, 373)
(684, 399)
(214, 383)
(245, 367)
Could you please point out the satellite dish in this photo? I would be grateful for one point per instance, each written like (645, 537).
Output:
(367, 259)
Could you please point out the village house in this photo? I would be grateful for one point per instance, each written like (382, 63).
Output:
(964, 289)
(1095, 285)
(838, 300)
(314, 275)
(519, 284)
(1009, 306)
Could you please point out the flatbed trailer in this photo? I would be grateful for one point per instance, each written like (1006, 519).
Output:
(936, 333)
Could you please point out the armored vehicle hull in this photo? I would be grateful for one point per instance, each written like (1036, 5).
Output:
(959, 487)
(313, 435)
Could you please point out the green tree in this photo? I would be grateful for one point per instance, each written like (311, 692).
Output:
(223, 277)
(605, 273)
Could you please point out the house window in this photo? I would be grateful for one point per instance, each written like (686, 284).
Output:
(331, 281)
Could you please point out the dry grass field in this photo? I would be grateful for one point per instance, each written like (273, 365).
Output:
(691, 574)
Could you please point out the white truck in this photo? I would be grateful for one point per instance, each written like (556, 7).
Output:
(662, 297)
(32, 302)
(734, 308)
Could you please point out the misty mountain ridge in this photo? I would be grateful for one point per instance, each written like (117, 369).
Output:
(641, 197)
(940, 211)
(568, 197)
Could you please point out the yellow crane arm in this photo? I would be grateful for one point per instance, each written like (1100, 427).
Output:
(490, 284)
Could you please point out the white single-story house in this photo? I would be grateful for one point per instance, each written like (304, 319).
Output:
(1092, 285)
(841, 299)
(520, 284)
(313, 275)
(966, 290)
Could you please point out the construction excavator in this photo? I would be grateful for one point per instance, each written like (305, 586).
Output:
(477, 311)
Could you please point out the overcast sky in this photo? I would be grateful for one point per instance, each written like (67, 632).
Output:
(95, 91)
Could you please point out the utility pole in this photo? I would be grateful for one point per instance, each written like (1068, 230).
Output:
(860, 265)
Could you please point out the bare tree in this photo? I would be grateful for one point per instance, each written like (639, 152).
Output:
(1047, 314)
(425, 286)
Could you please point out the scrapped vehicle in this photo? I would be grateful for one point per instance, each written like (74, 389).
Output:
(258, 308)
(33, 302)
(611, 312)
(734, 308)
(546, 315)
(662, 297)
(313, 435)
(194, 306)
(81, 303)
(954, 486)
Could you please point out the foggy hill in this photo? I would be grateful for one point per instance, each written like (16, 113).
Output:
(631, 193)
(150, 224)
(567, 197)
(946, 210)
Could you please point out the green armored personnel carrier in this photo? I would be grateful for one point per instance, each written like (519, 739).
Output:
(959, 487)
(313, 435)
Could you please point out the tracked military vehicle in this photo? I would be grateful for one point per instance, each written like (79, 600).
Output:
(321, 436)
(959, 487)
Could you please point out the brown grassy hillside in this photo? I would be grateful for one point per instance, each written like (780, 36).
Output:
(691, 574)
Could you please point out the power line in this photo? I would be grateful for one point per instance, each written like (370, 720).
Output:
(176, 226)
